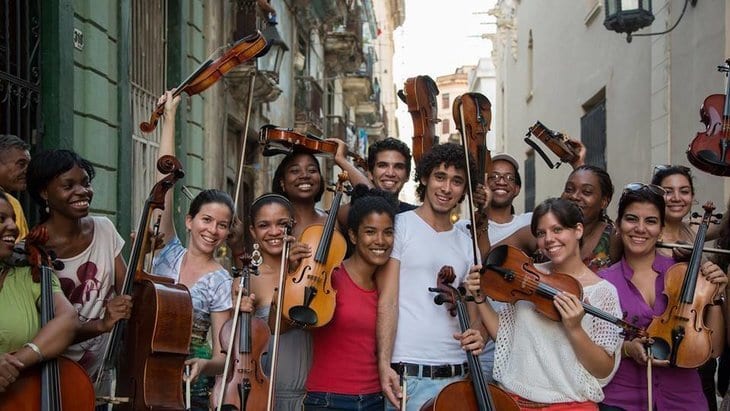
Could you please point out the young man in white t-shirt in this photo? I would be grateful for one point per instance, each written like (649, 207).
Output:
(413, 332)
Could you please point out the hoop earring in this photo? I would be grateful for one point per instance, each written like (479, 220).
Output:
(256, 258)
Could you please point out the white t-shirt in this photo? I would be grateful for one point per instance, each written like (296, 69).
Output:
(87, 279)
(425, 330)
(530, 344)
(499, 231)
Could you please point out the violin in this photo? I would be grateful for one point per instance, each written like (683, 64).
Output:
(680, 334)
(708, 151)
(472, 114)
(245, 387)
(59, 383)
(473, 393)
(210, 71)
(154, 342)
(309, 299)
(509, 275)
(276, 140)
(419, 93)
(556, 142)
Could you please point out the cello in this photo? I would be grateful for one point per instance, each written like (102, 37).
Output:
(680, 334)
(509, 275)
(309, 299)
(57, 384)
(154, 342)
(472, 114)
(245, 387)
(471, 394)
(210, 71)
(710, 149)
(419, 93)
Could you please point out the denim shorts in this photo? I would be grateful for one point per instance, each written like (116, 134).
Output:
(315, 401)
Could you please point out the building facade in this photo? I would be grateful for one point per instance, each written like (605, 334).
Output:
(634, 105)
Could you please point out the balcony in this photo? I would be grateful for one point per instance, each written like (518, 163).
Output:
(342, 52)
(356, 89)
(328, 11)
(336, 128)
(308, 106)
(266, 85)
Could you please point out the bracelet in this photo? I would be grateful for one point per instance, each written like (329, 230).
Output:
(35, 349)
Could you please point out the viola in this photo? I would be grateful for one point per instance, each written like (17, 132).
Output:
(309, 299)
(472, 114)
(154, 342)
(276, 140)
(473, 393)
(556, 142)
(59, 383)
(509, 275)
(680, 334)
(211, 71)
(708, 151)
(245, 387)
(419, 93)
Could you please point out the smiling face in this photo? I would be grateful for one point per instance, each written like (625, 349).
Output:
(557, 241)
(503, 190)
(69, 194)
(679, 196)
(13, 165)
(301, 179)
(269, 227)
(390, 171)
(209, 227)
(444, 188)
(374, 239)
(8, 229)
(584, 189)
(640, 227)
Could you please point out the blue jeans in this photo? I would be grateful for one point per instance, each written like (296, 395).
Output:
(315, 401)
(421, 390)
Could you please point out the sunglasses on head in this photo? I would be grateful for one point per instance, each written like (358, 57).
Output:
(662, 167)
(655, 189)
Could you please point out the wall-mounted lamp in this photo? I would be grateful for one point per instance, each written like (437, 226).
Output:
(628, 16)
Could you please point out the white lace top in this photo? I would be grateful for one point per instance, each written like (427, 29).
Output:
(533, 356)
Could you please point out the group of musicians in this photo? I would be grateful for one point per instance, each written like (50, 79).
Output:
(388, 345)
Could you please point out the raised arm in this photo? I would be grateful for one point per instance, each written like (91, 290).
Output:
(167, 147)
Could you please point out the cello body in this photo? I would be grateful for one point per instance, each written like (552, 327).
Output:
(419, 93)
(75, 396)
(156, 345)
(462, 393)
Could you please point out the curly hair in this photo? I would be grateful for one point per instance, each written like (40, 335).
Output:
(448, 154)
(49, 164)
(281, 168)
(389, 144)
(365, 201)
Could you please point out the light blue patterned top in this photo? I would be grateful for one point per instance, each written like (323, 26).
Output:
(211, 293)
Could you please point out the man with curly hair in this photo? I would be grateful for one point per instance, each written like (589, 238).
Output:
(413, 333)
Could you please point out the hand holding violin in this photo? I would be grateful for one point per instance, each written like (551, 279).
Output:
(570, 309)
(297, 252)
(248, 302)
(579, 148)
(714, 275)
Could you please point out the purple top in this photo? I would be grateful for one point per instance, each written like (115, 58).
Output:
(674, 388)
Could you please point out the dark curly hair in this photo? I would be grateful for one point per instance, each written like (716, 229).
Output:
(49, 164)
(448, 154)
(389, 144)
(665, 172)
(281, 168)
(365, 201)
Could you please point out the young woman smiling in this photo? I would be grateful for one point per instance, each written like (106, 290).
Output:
(639, 278)
(556, 365)
(89, 247)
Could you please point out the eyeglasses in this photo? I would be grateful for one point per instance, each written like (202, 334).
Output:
(662, 167)
(494, 176)
(654, 189)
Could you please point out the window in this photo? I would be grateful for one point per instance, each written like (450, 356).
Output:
(529, 182)
(445, 126)
(593, 130)
(445, 100)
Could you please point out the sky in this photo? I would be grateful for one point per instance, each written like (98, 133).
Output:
(436, 38)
